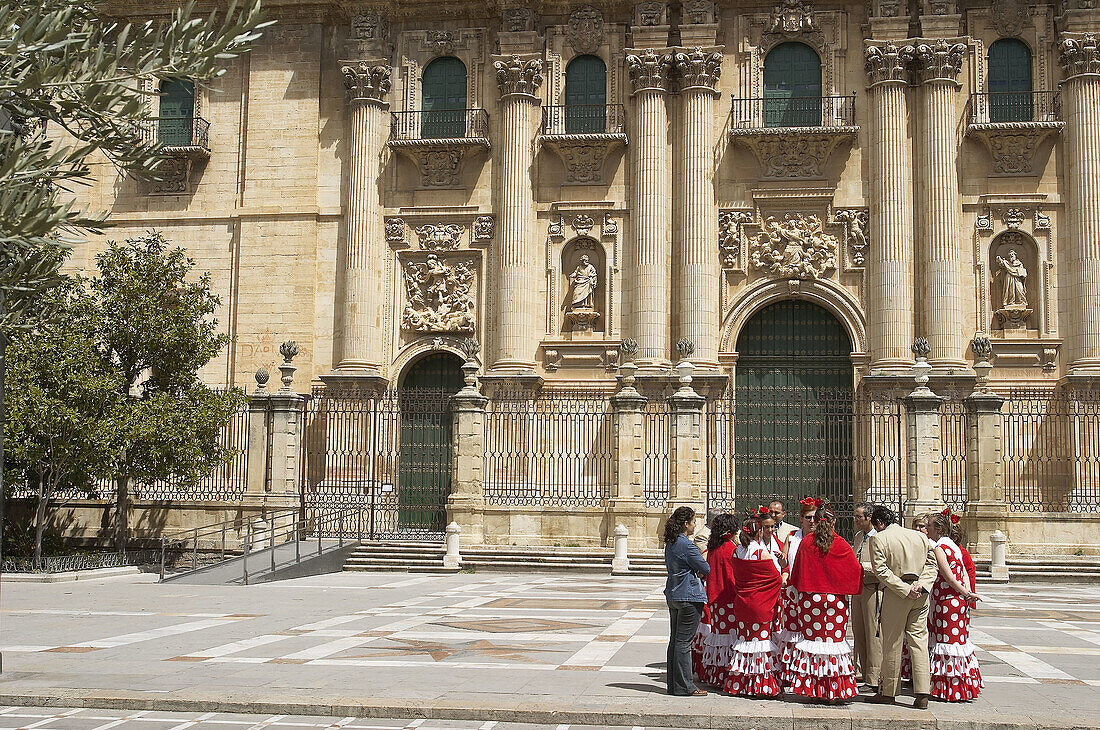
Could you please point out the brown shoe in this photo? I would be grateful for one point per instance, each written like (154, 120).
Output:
(703, 693)
(881, 699)
(921, 702)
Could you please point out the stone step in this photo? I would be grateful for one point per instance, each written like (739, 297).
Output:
(388, 555)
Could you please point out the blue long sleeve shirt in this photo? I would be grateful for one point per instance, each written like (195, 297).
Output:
(684, 562)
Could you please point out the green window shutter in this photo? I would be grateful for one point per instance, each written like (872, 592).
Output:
(177, 112)
(1010, 81)
(585, 95)
(443, 99)
(792, 86)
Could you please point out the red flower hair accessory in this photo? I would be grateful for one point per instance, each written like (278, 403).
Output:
(947, 513)
(762, 513)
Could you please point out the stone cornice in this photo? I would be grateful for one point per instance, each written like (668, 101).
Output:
(517, 75)
(887, 62)
(938, 61)
(366, 81)
(1079, 55)
(649, 69)
(698, 68)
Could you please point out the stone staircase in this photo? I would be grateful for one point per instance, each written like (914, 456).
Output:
(427, 557)
(1046, 569)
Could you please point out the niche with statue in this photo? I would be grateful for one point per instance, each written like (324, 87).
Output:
(1015, 288)
(584, 283)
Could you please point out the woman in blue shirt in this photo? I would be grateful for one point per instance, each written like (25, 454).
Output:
(685, 597)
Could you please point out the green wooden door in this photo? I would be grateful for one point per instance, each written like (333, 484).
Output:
(585, 96)
(792, 86)
(443, 99)
(1010, 81)
(424, 467)
(793, 407)
(177, 112)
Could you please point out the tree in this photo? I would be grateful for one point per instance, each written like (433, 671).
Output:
(64, 406)
(156, 329)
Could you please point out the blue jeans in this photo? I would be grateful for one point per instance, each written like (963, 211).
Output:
(683, 623)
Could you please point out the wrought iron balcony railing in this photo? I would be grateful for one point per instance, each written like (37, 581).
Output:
(439, 124)
(192, 133)
(1014, 106)
(583, 119)
(794, 111)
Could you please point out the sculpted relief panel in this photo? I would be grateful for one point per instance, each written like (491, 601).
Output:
(439, 294)
(796, 247)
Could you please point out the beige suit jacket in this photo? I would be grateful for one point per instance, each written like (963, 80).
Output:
(897, 551)
(700, 538)
(862, 548)
(784, 531)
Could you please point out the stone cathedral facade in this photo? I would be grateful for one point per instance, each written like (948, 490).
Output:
(380, 181)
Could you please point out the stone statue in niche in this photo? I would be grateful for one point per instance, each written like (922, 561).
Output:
(581, 313)
(1013, 275)
(1011, 271)
(439, 296)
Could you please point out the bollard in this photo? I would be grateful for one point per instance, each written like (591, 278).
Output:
(998, 560)
(163, 550)
(452, 559)
(621, 562)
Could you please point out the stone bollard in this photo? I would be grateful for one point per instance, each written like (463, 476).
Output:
(452, 559)
(621, 562)
(998, 561)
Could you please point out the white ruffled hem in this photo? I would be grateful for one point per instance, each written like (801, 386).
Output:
(756, 663)
(825, 648)
(961, 650)
(757, 646)
(786, 636)
(954, 666)
(717, 639)
(718, 656)
(821, 665)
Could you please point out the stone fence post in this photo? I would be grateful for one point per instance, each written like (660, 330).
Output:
(686, 484)
(924, 485)
(466, 502)
(627, 506)
(986, 508)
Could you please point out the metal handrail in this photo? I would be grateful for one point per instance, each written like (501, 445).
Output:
(794, 111)
(439, 124)
(1014, 106)
(178, 131)
(583, 119)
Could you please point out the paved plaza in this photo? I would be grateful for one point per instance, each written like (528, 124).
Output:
(548, 649)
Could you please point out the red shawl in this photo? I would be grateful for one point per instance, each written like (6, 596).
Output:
(758, 585)
(837, 572)
(721, 586)
(968, 563)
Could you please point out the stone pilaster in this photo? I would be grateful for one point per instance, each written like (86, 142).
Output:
(1080, 60)
(924, 485)
(367, 84)
(986, 508)
(517, 256)
(646, 263)
(939, 268)
(466, 502)
(627, 506)
(890, 253)
(697, 268)
(686, 448)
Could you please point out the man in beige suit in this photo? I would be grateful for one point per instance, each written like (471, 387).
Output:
(868, 639)
(905, 565)
(783, 529)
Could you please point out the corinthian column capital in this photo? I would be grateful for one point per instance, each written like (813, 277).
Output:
(939, 61)
(648, 70)
(887, 63)
(1079, 55)
(698, 68)
(365, 81)
(516, 75)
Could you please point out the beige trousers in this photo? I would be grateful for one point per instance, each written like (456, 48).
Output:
(868, 639)
(904, 619)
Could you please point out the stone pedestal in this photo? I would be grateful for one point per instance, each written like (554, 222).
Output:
(466, 502)
(275, 427)
(686, 448)
(627, 507)
(924, 482)
(986, 508)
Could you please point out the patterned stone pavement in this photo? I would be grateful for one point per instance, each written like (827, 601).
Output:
(462, 646)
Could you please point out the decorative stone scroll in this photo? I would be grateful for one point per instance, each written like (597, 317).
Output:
(855, 222)
(939, 61)
(792, 19)
(649, 14)
(395, 230)
(731, 237)
(518, 76)
(440, 42)
(796, 247)
(439, 236)
(697, 12)
(1079, 55)
(887, 62)
(1012, 145)
(439, 295)
(585, 29)
(648, 70)
(583, 155)
(1010, 17)
(782, 154)
(698, 68)
(484, 228)
(364, 82)
(518, 20)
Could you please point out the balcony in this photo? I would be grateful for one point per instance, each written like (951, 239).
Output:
(793, 137)
(1012, 125)
(582, 136)
(186, 144)
(438, 141)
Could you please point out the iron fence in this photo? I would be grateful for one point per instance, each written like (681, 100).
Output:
(439, 124)
(387, 454)
(85, 561)
(794, 111)
(178, 132)
(879, 453)
(1051, 450)
(583, 119)
(656, 474)
(1014, 106)
(953, 453)
(551, 448)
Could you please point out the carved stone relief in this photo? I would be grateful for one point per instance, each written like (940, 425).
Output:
(1011, 263)
(651, 14)
(939, 60)
(608, 227)
(439, 295)
(518, 76)
(440, 42)
(792, 19)
(698, 12)
(518, 20)
(484, 228)
(438, 167)
(395, 230)
(439, 236)
(173, 176)
(583, 160)
(582, 224)
(368, 27)
(585, 30)
(731, 237)
(364, 82)
(855, 227)
(1010, 17)
(785, 155)
(648, 70)
(796, 247)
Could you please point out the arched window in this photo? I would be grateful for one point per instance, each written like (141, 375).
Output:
(177, 112)
(443, 99)
(1010, 81)
(585, 95)
(792, 86)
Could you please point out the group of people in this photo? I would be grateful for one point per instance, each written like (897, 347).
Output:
(759, 607)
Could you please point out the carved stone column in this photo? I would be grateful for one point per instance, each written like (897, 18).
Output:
(646, 263)
(940, 272)
(517, 256)
(697, 267)
(890, 253)
(367, 84)
(1080, 60)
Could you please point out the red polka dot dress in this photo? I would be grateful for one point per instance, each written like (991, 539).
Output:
(787, 626)
(752, 670)
(698, 644)
(821, 661)
(954, 668)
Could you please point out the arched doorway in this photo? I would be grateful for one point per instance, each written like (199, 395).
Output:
(425, 433)
(793, 407)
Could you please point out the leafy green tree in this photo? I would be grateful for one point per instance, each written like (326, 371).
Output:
(64, 406)
(155, 326)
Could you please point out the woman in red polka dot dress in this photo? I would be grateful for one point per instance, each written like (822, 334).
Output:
(787, 634)
(753, 671)
(826, 574)
(716, 650)
(955, 673)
